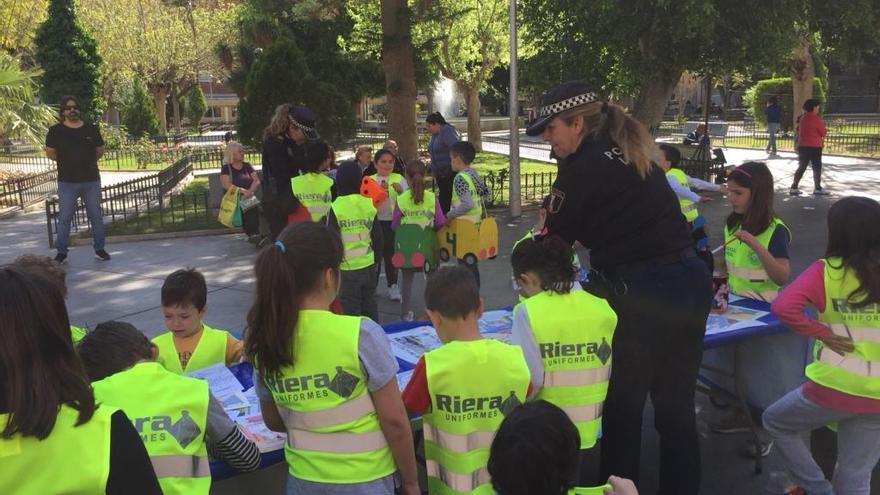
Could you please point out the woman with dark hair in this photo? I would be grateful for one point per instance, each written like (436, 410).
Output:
(811, 139)
(48, 414)
(443, 136)
(611, 197)
(535, 452)
(843, 381)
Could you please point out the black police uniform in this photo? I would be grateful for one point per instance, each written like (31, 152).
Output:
(643, 261)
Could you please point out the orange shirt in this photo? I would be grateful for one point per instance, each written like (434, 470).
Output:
(185, 346)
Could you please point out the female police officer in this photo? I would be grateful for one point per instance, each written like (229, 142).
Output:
(610, 197)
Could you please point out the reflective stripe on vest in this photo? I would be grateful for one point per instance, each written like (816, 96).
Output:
(416, 214)
(688, 207)
(857, 372)
(72, 459)
(355, 215)
(475, 214)
(589, 490)
(333, 430)
(313, 191)
(747, 276)
(180, 466)
(210, 350)
(465, 413)
(170, 413)
(573, 333)
(459, 443)
(459, 482)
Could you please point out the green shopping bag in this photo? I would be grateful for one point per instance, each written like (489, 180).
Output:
(229, 209)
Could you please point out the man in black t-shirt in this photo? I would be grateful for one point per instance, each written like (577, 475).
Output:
(76, 145)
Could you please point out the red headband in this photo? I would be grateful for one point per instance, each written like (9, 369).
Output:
(742, 171)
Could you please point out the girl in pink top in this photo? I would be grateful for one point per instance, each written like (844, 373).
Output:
(854, 237)
(811, 139)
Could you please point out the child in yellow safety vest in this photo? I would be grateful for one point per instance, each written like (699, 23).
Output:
(328, 381)
(47, 267)
(176, 416)
(55, 438)
(681, 185)
(190, 344)
(468, 191)
(416, 206)
(464, 388)
(394, 184)
(843, 381)
(313, 188)
(755, 239)
(565, 334)
(536, 450)
(354, 217)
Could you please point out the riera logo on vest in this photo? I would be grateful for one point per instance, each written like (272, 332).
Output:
(308, 387)
(844, 306)
(458, 408)
(155, 428)
(583, 352)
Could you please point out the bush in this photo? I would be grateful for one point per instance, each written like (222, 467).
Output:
(69, 58)
(196, 105)
(115, 138)
(139, 113)
(756, 98)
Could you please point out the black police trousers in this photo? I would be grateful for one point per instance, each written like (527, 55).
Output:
(657, 350)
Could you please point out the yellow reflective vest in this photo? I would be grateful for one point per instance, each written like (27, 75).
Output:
(466, 412)
(355, 215)
(77, 333)
(475, 214)
(170, 413)
(573, 332)
(333, 432)
(387, 183)
(745, 272)
(857, 372)
(71, 460)
(688, 207)
(210, 350)
(313, 191)
(421, 214)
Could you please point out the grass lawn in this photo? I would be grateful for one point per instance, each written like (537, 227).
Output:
(183, 211)
(487, 161)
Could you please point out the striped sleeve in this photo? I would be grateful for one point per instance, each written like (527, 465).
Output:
(238, 451)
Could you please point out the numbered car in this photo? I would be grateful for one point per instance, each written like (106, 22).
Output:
(415, 247)
(468, 241)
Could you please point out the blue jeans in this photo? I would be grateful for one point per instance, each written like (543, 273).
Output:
(91, 195)
(789, 422)
(772, 129)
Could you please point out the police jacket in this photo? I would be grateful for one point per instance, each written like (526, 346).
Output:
(602, 202)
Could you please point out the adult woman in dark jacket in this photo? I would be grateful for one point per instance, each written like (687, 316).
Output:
(290, 128)
(53, 437)
(443, 136)
(614, 200)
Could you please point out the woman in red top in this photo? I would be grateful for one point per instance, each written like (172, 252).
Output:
(811, 138)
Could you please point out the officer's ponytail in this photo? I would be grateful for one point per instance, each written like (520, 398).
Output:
(550, 258)
(287, 271)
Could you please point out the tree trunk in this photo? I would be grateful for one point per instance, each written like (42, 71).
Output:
(653, 96)
(400, 76)
(160, 98)
(472, 98)
(802, 74)
(175, 108)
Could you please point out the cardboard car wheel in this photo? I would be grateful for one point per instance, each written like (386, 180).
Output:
(470, 259)
(444, 254)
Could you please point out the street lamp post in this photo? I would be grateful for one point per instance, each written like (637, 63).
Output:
(513, 110)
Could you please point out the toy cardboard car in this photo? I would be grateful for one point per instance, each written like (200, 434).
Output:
(373, 190)
(415, 247)
(469, 241)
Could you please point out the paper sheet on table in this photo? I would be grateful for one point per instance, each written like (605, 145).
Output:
(735, 318)
(409, 345)
(253, 427)
(220, 380)
(403, 379)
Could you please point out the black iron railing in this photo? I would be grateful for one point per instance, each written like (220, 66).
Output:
(25, 191)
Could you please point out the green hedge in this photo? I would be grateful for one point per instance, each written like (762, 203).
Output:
(756, 98)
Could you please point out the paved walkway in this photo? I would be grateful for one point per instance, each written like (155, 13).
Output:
(128, 287)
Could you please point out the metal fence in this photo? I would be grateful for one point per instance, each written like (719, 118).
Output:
(25, 191)
(125, 201)
(845, 137)
(533, 187)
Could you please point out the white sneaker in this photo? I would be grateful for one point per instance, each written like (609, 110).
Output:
(394, 293)
(409, 316)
